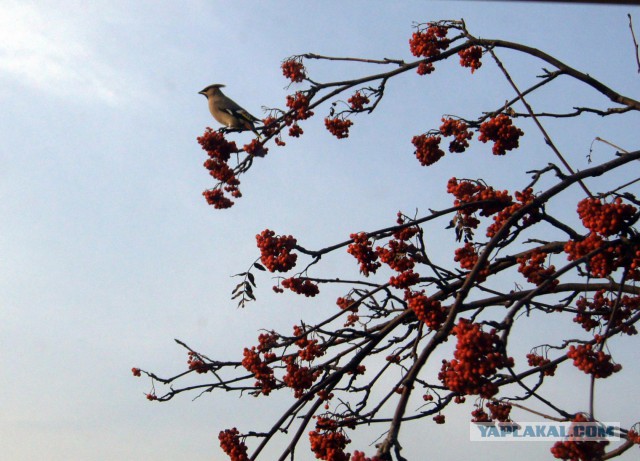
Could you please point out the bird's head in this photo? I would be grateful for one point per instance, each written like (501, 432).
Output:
(211, 90)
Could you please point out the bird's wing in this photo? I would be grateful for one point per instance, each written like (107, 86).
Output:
(229, 106)
(241, 114)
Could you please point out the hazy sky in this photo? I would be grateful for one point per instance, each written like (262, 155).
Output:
(108, 250)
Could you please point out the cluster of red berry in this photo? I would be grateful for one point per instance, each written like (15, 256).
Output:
(255, 148)
(294, 70)
(633, 437)
(275, 251)
(531, 217)
(467, 256)
(295, 131)
(301, 286)
(136, 372)
(299, 103)
(628, 305)
(216, 198)
(352, 319)
(396, 254)
(267, 341)
(634, 264)
(362, 250)
(466, 191)
(360, 456)
(425, 68)
(500, 411)
(480, 416)
(502, 132)
(439, 419)
(216, 146)
(219, 151)
(358, 370)
(358, 101)
(338, 127)
(404, 279)
(600, 264)
(459, 399)
(232, 445)
(579, 450)
(219, 169)
(428, 43)
(270, 127)
(298, 378)
(586, 318)
(260, 370)
(428, 149)
(301, 336)
(328, 441)
(470, 57)
(459, 129)
(536, 360)
(395, 358)
(595, 363)
(406, 232)
(605, 219)
(311, 351)
(323, 395)
(347, 303)
(427, 310)
(477, 358)
(532, 267)
(194, 362)
(600, 312)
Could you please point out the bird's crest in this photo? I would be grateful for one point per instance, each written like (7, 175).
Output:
(215, 85)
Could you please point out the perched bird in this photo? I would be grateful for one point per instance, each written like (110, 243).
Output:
(226, 111)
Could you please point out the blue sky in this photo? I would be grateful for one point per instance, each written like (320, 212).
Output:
(108, 250)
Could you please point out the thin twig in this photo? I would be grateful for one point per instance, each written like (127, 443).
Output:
(635, 43)
(544, 415)
(626, 185)
(579, 111)
(546, 136)
(368, 61)
(620, 149)
(618, 451)
(581, 76)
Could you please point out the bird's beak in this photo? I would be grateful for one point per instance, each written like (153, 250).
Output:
(202, 93)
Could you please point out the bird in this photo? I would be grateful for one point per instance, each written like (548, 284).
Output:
(226, 111)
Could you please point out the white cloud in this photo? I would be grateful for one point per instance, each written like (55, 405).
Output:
(48, 49)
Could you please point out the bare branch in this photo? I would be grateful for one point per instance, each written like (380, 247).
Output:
(635, 43)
